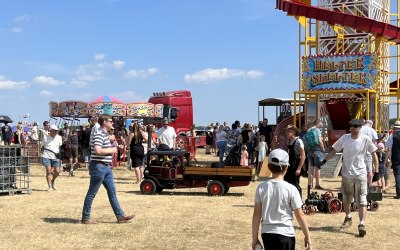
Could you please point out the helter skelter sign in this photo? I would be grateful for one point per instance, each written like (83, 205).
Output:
(340, 72)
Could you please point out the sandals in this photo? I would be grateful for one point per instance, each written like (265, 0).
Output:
(136, 182)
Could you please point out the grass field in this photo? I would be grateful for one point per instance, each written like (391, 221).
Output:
(174, 219)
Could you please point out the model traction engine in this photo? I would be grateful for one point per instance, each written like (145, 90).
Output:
(328, 203)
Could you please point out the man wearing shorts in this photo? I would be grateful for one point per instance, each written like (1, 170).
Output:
(51, 143)
(354, 171)
(315, 156)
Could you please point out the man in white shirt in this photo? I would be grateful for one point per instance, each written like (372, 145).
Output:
(166, 135)
(354, 171)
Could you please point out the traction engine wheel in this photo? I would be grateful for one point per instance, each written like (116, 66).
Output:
(334, 206)
(215, 188)
(374, 206)
(181, 143)
(148, 187)
(308, 209)
(328, 195)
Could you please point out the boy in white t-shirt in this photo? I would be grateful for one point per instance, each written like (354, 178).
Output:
(275, 202)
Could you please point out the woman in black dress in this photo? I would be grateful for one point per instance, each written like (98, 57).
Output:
(135, 140)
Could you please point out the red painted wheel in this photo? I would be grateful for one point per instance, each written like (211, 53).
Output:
(334, 206)
(374, 206)
(215, 188)
(328, 195)
(148, 187)
(311, 210)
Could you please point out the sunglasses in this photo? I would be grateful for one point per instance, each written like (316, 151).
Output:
(355, 126)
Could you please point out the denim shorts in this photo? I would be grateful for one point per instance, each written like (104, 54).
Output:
(315, 158)
(50, 162)
(359, 186)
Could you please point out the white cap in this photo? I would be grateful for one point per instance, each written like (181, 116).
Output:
(278, 157)
(54, 127)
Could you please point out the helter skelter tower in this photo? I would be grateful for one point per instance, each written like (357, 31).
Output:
(336, 31)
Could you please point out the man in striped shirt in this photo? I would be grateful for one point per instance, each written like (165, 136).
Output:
(101, 173)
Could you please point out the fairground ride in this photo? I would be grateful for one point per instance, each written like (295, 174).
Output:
(349, 61)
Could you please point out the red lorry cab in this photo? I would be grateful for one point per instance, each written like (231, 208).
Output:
(178, 108)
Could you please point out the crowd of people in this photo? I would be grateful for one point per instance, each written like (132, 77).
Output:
(236, 145)
(367, 159)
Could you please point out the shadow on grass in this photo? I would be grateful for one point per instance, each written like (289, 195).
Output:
(183, 193)
(61, 220)
(244, 206)
(38, 190)
(330, 229)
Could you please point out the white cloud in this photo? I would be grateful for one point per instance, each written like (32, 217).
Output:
(90, 73)
(140, 73)
(45, 93)
(16, 30)
(210, 75)
(152, 71)
(99, 56)
(47, 80)
(78, 83)
(21, 18)
(6, 84)
(118, 64)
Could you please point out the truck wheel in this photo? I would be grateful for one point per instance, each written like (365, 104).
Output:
(215, 188)
(148, 187)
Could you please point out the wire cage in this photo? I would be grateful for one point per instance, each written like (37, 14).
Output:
(14, 170)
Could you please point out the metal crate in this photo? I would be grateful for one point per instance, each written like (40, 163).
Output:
(14, 171)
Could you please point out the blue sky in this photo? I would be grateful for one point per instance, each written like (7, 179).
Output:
(228, 53)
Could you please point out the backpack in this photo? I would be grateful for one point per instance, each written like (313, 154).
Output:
(311, 138)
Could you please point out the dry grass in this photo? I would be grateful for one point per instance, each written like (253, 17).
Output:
(175, 219)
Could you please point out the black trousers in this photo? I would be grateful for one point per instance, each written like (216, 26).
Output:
(278, 242)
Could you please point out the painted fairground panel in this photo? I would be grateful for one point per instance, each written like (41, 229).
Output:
(140, 109)
(341, 72)
(113, 109)
(53, 109)
(145, 110)
(73, 109)
(159, 110)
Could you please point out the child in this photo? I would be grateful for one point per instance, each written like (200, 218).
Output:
(382, 167)
(244, 160)
(262, 149)
(275, 202)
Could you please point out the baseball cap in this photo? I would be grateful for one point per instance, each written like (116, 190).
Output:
(358, 122)
(278, 157)
(53, 127)
(397, 124)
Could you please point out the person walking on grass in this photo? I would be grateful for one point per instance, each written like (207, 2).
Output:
(315, 146)
(51, 143)
(354, 171)
(297, 157)
(275, 202)
(100, 172)
(393, 144)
